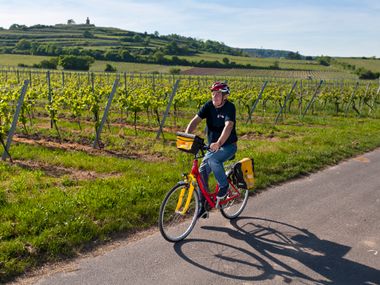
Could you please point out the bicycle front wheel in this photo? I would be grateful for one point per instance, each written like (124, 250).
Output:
(178, 212)
(234, 207)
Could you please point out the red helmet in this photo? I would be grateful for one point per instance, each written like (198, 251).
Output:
(220, 86)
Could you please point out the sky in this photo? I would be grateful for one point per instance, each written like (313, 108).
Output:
(333, 28)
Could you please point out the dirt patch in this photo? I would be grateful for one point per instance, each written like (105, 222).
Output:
(256, 136)
(59, 171)
(204, 71)
(54, 143)
(117, 122)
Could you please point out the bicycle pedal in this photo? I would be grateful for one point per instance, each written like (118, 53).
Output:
(218, 200)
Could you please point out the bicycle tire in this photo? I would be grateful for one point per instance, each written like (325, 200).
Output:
(175, 226)
(236, 206)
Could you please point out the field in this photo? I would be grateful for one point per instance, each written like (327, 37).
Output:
(369, 64)
(13, 60)
(263, 62)
(266, 73)
(301, 68)
(60, 195)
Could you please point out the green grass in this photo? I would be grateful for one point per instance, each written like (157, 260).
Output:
(262, 62)
(369, 64)
(46, 216)
(303, 69)
(15, 59)
(98, 65)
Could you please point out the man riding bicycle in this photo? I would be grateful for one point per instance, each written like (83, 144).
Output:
(220, 115)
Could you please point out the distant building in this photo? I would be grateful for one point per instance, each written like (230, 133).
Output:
(87, 21)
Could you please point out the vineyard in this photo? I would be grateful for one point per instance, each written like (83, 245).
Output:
(90, 155)
(70, 107)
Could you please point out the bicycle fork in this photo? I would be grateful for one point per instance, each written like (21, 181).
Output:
(190, 180)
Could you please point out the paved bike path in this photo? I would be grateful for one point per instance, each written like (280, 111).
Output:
(321, 229)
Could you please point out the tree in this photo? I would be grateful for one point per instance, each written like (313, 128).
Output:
(226, 60)
(293, 55)
(125, 55)
(88, 34)
(324, 60)
(137, 38)
(71, 51)
(70, 22)
(53, 49)
(146, 41)
(50, 63)
(47, 64)
(23, 44)
(18, 27)
(76, 62)
(112, 55)
(159, 56)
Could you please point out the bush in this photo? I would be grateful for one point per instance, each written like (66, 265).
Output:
(275, 65)
(175, 70)
(88, 34)
(324, 60)
(367, 74)
(23, 44)
(110, 68)
(49, 64)
(76, 62)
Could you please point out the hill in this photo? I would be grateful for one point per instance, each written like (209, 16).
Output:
(103, 43)
(112, 45)
(273, 53)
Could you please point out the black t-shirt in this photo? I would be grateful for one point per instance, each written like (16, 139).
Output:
(216, 118)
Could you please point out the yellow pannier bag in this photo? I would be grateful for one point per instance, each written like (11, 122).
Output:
(243, 173)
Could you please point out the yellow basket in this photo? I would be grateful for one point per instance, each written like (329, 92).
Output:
(188, 142)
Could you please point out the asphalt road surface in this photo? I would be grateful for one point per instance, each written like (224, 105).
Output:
(321, 229)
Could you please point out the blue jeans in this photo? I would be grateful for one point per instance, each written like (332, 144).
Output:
(213, 161)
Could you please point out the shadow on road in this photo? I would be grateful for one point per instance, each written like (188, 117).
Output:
(272, 249)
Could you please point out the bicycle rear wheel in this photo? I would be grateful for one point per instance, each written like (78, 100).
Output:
(178, 213)
(234, 207)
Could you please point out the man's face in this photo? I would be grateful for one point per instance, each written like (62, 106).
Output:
(217, 98)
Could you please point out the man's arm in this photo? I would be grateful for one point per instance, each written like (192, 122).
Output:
(193, 124)
(228, 126)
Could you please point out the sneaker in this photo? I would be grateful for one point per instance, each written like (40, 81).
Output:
(218, 199)
(203, 214)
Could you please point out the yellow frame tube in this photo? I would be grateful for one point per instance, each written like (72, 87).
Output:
(189, 195)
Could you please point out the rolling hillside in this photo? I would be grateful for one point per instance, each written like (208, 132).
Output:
(133, 51)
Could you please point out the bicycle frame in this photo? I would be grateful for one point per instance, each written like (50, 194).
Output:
(193, 179)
